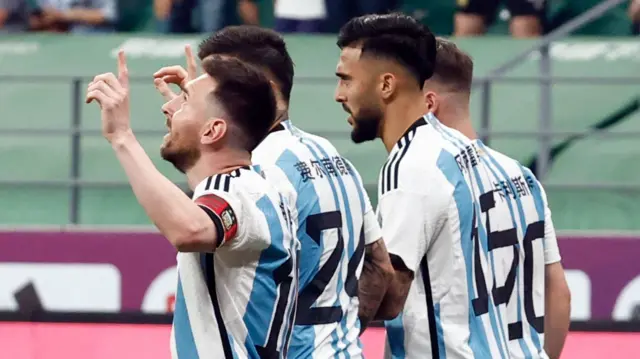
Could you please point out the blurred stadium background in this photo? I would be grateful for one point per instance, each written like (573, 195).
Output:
(82, 274)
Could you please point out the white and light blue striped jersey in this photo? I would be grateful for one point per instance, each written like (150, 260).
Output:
(335, 221)
(477, 237)
(239, 301)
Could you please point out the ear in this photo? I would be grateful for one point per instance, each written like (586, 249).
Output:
(388, 85)
(431, 99)
(214, 130)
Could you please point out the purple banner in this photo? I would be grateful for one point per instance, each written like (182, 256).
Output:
(117, 271)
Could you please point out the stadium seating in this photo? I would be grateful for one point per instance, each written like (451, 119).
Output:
(137, 15)
(514, 107)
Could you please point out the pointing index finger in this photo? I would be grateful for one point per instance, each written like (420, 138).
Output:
(192, 66)
(123, 72)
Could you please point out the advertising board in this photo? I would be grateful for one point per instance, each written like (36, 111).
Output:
(97, 271)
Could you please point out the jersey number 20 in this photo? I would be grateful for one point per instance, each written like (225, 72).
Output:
(501, 295)
(307, 315)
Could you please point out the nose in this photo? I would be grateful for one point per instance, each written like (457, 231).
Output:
(339, 96)
(172, 106)
(166, 109)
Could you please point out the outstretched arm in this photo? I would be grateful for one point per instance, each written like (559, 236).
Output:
(180, 220)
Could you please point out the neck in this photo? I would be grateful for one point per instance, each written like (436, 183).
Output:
(213, 163)
(399, 116)
(282, 114)
(457, 117)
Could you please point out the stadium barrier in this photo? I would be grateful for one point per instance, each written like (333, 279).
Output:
(74, 172)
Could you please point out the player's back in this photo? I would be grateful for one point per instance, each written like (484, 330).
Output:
(239, 301)
(329, 204)
(480, 285)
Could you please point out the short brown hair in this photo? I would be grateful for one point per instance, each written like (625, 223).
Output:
(246, 96)
(257, 46)
(454, 67)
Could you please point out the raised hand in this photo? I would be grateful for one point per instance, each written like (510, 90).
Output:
(175, 75)
(112, 94)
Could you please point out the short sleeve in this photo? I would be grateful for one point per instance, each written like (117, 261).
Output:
(404, 230)
(551, 250)
(372, 230)
(233, 213)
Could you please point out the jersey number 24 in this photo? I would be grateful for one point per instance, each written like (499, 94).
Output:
(307, 315)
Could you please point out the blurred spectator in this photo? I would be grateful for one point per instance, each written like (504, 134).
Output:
(303, 16)
(75, 16)
(634, 14)
(162, 10)
(248, 10)
(177, 16)
(527, 17)
(14, 15)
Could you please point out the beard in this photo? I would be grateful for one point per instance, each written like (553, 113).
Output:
(366, 125)
(181, 157)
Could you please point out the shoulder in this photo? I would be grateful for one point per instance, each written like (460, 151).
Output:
(243, 182)
(512, 167)
(416, 165)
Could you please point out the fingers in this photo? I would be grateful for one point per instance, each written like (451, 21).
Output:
(110, 79)
(172, 74)
(103, 99)
(192, 65)
(103, 93)
(123, 71)
(164, 89)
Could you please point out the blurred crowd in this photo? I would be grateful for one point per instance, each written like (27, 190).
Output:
(527, 17)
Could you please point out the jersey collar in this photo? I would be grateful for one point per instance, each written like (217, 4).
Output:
(282, 126)
(408, 135)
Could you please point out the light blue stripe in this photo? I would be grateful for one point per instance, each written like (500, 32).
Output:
(442, 349)
(537, 196)
(350, 241)
(521, 342)
(395, 337)
(185, 343)
(334, 335)
(462, 196)
(303, 337)
(233, 348)
(307, 203)
(523, 225)
(360, 189)
(264, 292)
(359, 185)
(496, 326)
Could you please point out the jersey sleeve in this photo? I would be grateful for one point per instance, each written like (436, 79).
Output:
(404, 226)
(372, 230)
(233, 214)
(551, 250)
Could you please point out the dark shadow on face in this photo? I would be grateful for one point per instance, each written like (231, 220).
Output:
(366, 123)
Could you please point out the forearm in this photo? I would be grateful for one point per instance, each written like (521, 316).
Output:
(388, 307)
(397, 291)
(556, 324)
(85, 16)
(371, 289)
(180, 220)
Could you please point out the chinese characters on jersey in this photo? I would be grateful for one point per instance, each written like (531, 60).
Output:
(324, 167)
